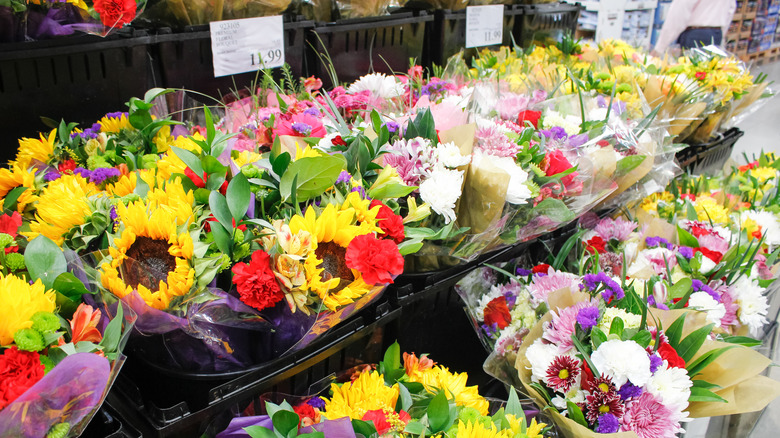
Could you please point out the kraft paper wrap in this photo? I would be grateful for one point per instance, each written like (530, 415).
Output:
(648, 150)
(736, 371)
(681, 115)
(656, 227)
(482, 201)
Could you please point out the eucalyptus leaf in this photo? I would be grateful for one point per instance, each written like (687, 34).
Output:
(44, 260)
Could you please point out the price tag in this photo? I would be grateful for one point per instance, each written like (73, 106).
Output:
(248, 44)
(484, 25)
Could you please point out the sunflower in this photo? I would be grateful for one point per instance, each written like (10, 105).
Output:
(454, 384)
(479, 430)
(366, 393)
(14, 177)
(124, 186)
(62, 205)
(21, 300)
(33, 149)
(113, 123)
(169, 163)
(151, 255)
(172, 196)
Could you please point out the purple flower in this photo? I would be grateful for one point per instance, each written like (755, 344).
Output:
(344, 177)
(115, 115)
(608, 423)
(578, 140)
(316, 402)
(612, 289)
(302, 128)
(312, 112)
(618, 107)
(628, 390)
(588, 317)
(653, 303)
(698, 286)
(655, 362)
(523, 272)
(85, 173)
(686, 251)
(539, 96)
(101, 174)
(391, 126)
(360, 190)
(658, 241)
(51, 175)
(490, 330)
(556, 132)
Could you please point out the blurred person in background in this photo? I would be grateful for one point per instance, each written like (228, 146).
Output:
(695, 23)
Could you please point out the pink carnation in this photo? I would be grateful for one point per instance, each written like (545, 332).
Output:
(619, 229)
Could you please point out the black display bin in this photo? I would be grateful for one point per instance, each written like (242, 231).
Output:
(364, 45)
(166, 405)
(538, 22)
(186, 60)
(107, 423)
(78, 79)
(711, 156)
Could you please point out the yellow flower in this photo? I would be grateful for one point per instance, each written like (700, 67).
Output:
(33, 149)
(416, 213)
(478, 430)
(169, 163)
(124, 186)
(708, 209)
(332, 225)
(650, 203)
(172, 196)
(62, 205)
(308, 151)
(21, 300)
(367, 393)
(762, 174)
(288, 266)
(14, 177)
(113, 125)
(163, 139)
(246, 157)
(454, 384)
(534, 430)
(364, 214)
(150, 256)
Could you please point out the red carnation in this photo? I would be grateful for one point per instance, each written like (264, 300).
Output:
(698, 230)
(19, 371)
(596, 245)
(10, 223)
(389, 222)
(115, 13)
(497, 312)
(670, 355)
(304, 411)
(256, 283)
(541, 269)
(378, 260)
(710, 254)
(555, 162)
(529, 116)
(67, 166)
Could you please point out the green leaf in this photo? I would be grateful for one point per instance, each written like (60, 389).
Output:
(513, 405)
(212, 165)
(686, 238)
(113, 333)
(597, 337)
(555, 210)
(581, 348)
(404, 398)
(70, 286)
(704, 395)
(691, 213)
(312, 434)
(141, 188)
(365, 428)
(561, 257)
(392, 359)
(44, 260)
(681, 288)
(280, 163)
(742, 340)
(438, 412)
(191, 160)
(314, 176)
(285, 421)
(221, 211)
(222, 238)
(629, 163)
(150, 95)
(409, 247)
(66, 305)
(575, 413)
(391, 190)
(704, 384)
(705, 359)
(259, 432)
(617, 327)
(674, 332)
(642, 338)
(9, 203)
(238, 195)
(414, 427)
(691, 344)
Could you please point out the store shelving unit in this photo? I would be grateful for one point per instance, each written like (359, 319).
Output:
(753, 32)
(630, 20)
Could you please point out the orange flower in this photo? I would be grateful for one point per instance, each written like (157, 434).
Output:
(84, 324)
(415, 366)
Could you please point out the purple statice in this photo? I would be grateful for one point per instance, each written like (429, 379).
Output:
(658, 241)
(89, 133)
(629, 390)
(391, 126)
(344, 177)
(101, 174)
(302, 128)
(523, 272)
(312, 112)
(52, 175)
(686, 251)
(608, 423)
(491, 330)
(655, 362)
(510, 291)
(555, 133)
(116, 115)
(577, 140)
(85, 173)
(360, 190)
(612, 289)
(316, 403)
(588, 317)
(699, 286)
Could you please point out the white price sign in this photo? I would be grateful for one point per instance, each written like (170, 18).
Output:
(248, 44)
(484, 25)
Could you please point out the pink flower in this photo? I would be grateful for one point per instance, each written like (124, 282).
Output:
(728, 299)
(492, 141)
(542, 286)
(558, 331)
(619, 229)
(300, 125)
(649, 418)
(511, 104)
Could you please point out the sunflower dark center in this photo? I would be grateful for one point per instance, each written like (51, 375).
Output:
(333, 264)
(148, 262)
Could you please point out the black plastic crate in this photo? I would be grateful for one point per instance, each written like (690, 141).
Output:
(547, 20)
(78, 79)
(186, 60)
(709, 157)
(364, 45)
(107, 423)
(164, 405)
(448, 34)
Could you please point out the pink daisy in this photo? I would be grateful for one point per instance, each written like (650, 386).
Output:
(562, 373)
(559, 329)
(543, 285)
(649, 418)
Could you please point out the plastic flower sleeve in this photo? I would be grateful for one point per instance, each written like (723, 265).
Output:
(181, 13)
(50, 19)
(12, 22)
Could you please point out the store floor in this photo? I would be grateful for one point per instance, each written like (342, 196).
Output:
(762, 128)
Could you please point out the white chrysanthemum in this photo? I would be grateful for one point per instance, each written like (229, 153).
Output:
(379, 84)
(753, 305)
(622, 361)
(441, 190)
(704, 302)
(517, 192)
(672, 386)
(449, 155)
(575, 395)
(540, 356)
(494, 293)
(570, 124)
(630, 320)
(770, 226)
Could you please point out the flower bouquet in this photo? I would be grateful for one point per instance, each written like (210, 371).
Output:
(49, 19)
(178, 13)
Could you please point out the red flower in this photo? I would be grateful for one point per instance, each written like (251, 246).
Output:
(587, 381)
(670, 355)
(530, 116)
(115, 13)
(699, 230)
(304, 411)
(256, 283)
(19, 370)
(555, 162)
(389, 222)
(198, 181)
(541, 269)
(378, 260)
(595, 245)
(381, 423)
(710, 254)
(10, 223)
(497, 312)
(602, 143)
(338, 141)
(67, 166)
(84, 324)
(689, 196)
(748, 166)
(700, 75)
(562, 373)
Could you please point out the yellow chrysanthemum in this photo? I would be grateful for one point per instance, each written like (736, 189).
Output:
(454, 384)
(169, 163)
(650, 203)
(124, 186)
(367, 393)
(708, 209)
(479, 430)
(150, 256)
(62, 205)
(14, 177)
(113, 125)
(20, 301)
(34, 149)
(762, 174)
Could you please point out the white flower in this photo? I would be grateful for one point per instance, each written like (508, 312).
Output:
(672, 386)
(597, 114)
(704, 302)
(630, 320)
(770, 227)
(707, 265)
(753, 305)
(441, 190)
(575, 395)
(622, 361)
(540, 356)
(449, 155)
(379, 84)
(570, 124)
(517, 191)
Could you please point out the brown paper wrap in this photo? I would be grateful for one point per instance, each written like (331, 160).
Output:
(681, 115)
